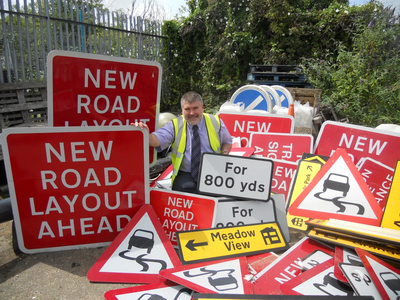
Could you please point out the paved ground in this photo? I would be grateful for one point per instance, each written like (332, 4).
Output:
(55, 275)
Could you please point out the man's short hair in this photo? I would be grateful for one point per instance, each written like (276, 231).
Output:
(191, 97)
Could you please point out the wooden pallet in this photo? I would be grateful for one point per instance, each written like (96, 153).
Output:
(22, 103)
(282, 69)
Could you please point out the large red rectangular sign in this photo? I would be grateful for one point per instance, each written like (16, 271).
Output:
(242, 125)
(95, 90)
(74, 187)
(359, 142)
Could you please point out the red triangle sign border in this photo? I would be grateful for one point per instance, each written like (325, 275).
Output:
(295, 210)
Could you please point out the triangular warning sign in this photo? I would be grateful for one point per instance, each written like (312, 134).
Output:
(217, 277)
(338, 191)
(160, 290)
(138, 253)
(385, 277)
(319, 281)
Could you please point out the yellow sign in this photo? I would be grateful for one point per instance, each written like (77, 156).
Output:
(333, 237)
(362, 231)
(218, 243)
(305, 173)
(391, 215)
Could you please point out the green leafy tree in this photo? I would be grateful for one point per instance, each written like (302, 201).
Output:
(363, 83)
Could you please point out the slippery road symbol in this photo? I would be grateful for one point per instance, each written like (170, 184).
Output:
(339, 184)
(221, 280)
(142, 239)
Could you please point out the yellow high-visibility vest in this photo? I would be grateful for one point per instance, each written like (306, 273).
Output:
(213, 126)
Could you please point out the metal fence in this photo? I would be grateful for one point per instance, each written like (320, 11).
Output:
(30, 30)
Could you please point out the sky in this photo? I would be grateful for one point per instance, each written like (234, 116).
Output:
(171, 7)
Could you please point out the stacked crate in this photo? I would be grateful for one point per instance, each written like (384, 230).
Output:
(284, 75)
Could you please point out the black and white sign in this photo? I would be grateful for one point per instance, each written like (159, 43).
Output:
(239, 177)
(360, 280)
(232, 212)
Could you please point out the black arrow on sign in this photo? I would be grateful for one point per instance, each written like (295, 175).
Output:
(309, 168)
(191, 245)
(397, 223)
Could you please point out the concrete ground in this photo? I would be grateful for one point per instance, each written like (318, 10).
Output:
(54, 275)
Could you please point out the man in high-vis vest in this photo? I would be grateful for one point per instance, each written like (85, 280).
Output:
(213, 134)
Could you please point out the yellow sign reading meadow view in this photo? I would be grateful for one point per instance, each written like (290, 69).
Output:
(217, 243)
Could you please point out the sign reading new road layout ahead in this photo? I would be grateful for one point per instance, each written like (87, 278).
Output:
(210, 244)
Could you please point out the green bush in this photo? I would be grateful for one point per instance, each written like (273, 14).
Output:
(363, 83)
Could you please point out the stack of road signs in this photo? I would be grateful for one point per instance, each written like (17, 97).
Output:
(380, 241)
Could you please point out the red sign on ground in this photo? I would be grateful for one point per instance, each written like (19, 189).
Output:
(182, 211)
(74, 187)
(95, 90)
(242, 125)
(359, 142)
(288, 147)
(286, 267)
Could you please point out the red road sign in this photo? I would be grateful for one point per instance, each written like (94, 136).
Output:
(138, 253)
(286, 267)
(182, 211)
(95, 90)
(359, 142)
(74, 187)
(378, 178)
(242, 125)
(218, 277)
(338, 191)
(284, 146)
(318, 281)
(283, 174)
(385, 277)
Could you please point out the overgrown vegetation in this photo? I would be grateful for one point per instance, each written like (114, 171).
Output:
(351, 52)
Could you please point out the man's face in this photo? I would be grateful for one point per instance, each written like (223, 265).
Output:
(192, 112)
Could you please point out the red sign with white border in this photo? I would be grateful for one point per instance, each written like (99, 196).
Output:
(74, 187)
(385, 277)
(162, 290)
(289, 147)
(359, 142)
(242, 125)
(319, 281)
(379, 179)
(217, 277)
(182, 211)
(97, 90)
(286, 267)
(138, 253)
(339, 192)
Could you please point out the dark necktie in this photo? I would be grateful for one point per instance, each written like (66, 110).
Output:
(196, 152)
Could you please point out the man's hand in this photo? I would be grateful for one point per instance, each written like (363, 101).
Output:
(140, 124)
(153, 140)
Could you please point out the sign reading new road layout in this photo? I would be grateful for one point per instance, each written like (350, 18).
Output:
(210, 244)
(74, 187)
(239, 177)
(97, 90)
